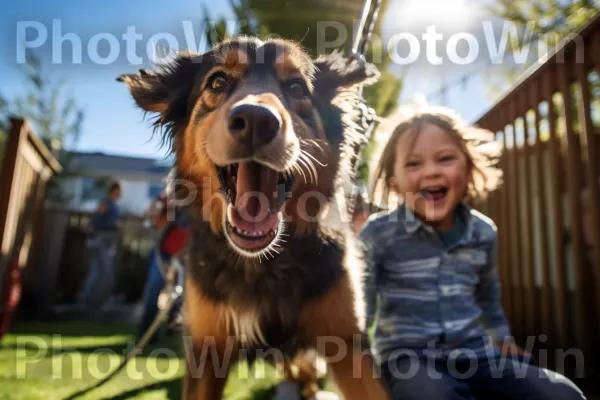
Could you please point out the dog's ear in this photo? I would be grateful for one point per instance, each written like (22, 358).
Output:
(334, 72)
(149, 90)
(166, 88)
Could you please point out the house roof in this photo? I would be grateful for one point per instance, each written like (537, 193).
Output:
(99, 163)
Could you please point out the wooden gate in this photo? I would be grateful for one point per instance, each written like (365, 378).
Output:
(27, 167)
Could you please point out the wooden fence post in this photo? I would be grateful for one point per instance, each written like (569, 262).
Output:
(8, 183)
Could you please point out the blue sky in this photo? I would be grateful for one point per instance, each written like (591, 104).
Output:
(112, 124)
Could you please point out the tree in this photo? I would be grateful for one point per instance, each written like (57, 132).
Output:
(53, 115)
(3, 126)
(3, 118)
(549, 20)
(546, 23)
(319, 26)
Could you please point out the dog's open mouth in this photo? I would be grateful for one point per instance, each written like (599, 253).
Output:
(255, 194)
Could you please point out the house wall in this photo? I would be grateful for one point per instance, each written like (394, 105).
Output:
(136, 195)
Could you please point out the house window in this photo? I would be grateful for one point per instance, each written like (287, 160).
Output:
(90, 189)
(154, 189)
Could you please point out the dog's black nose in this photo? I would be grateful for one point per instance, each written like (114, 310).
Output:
(254, 125)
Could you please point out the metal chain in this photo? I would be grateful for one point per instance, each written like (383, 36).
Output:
(360, 42)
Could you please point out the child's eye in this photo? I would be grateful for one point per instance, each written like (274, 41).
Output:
(447, 158)
(411, 164)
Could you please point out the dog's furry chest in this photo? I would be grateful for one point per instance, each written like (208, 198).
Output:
(264, 299)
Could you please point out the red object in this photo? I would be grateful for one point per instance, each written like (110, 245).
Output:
(11, 295)
(175, 240)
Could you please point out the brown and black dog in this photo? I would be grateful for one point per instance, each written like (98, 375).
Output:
(266, 136)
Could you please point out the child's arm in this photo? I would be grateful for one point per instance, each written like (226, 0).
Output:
(488, 297)
(367, 242)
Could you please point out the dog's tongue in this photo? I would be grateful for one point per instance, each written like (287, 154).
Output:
(256, 191)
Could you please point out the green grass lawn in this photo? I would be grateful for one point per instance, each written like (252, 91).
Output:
(55, 361)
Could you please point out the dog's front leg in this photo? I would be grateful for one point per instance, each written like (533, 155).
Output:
(332, 326)
(207, 368)
(210, 351)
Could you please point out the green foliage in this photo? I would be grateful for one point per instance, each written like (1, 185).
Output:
(303, 21)
(52, 113)
(550, 20)
(3, 118)
(547, 23)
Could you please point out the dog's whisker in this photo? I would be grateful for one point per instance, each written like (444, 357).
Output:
(302, 163)
(314, 143)
(311, 167)
(269, 254)
(313, 157)
(299, 171)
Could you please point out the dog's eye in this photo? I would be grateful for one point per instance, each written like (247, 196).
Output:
(218, 81)
(297, 89)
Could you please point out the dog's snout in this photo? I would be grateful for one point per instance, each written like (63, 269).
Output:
(254, 125)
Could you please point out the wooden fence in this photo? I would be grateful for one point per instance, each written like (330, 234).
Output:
(547, 211)
(27, 167)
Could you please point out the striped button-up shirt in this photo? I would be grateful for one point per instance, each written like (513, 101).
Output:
(430, 294)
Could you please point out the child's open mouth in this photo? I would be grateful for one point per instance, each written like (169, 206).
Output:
(434, 194)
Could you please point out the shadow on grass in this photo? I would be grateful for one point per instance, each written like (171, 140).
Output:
(54, 338)
(173, 388)
(112, 339)
(76, 329)
(162, 350)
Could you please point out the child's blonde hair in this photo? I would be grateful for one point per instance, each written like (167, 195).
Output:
(478, 145)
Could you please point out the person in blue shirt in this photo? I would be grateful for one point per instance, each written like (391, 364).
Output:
(102, 247)
(432, 289)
